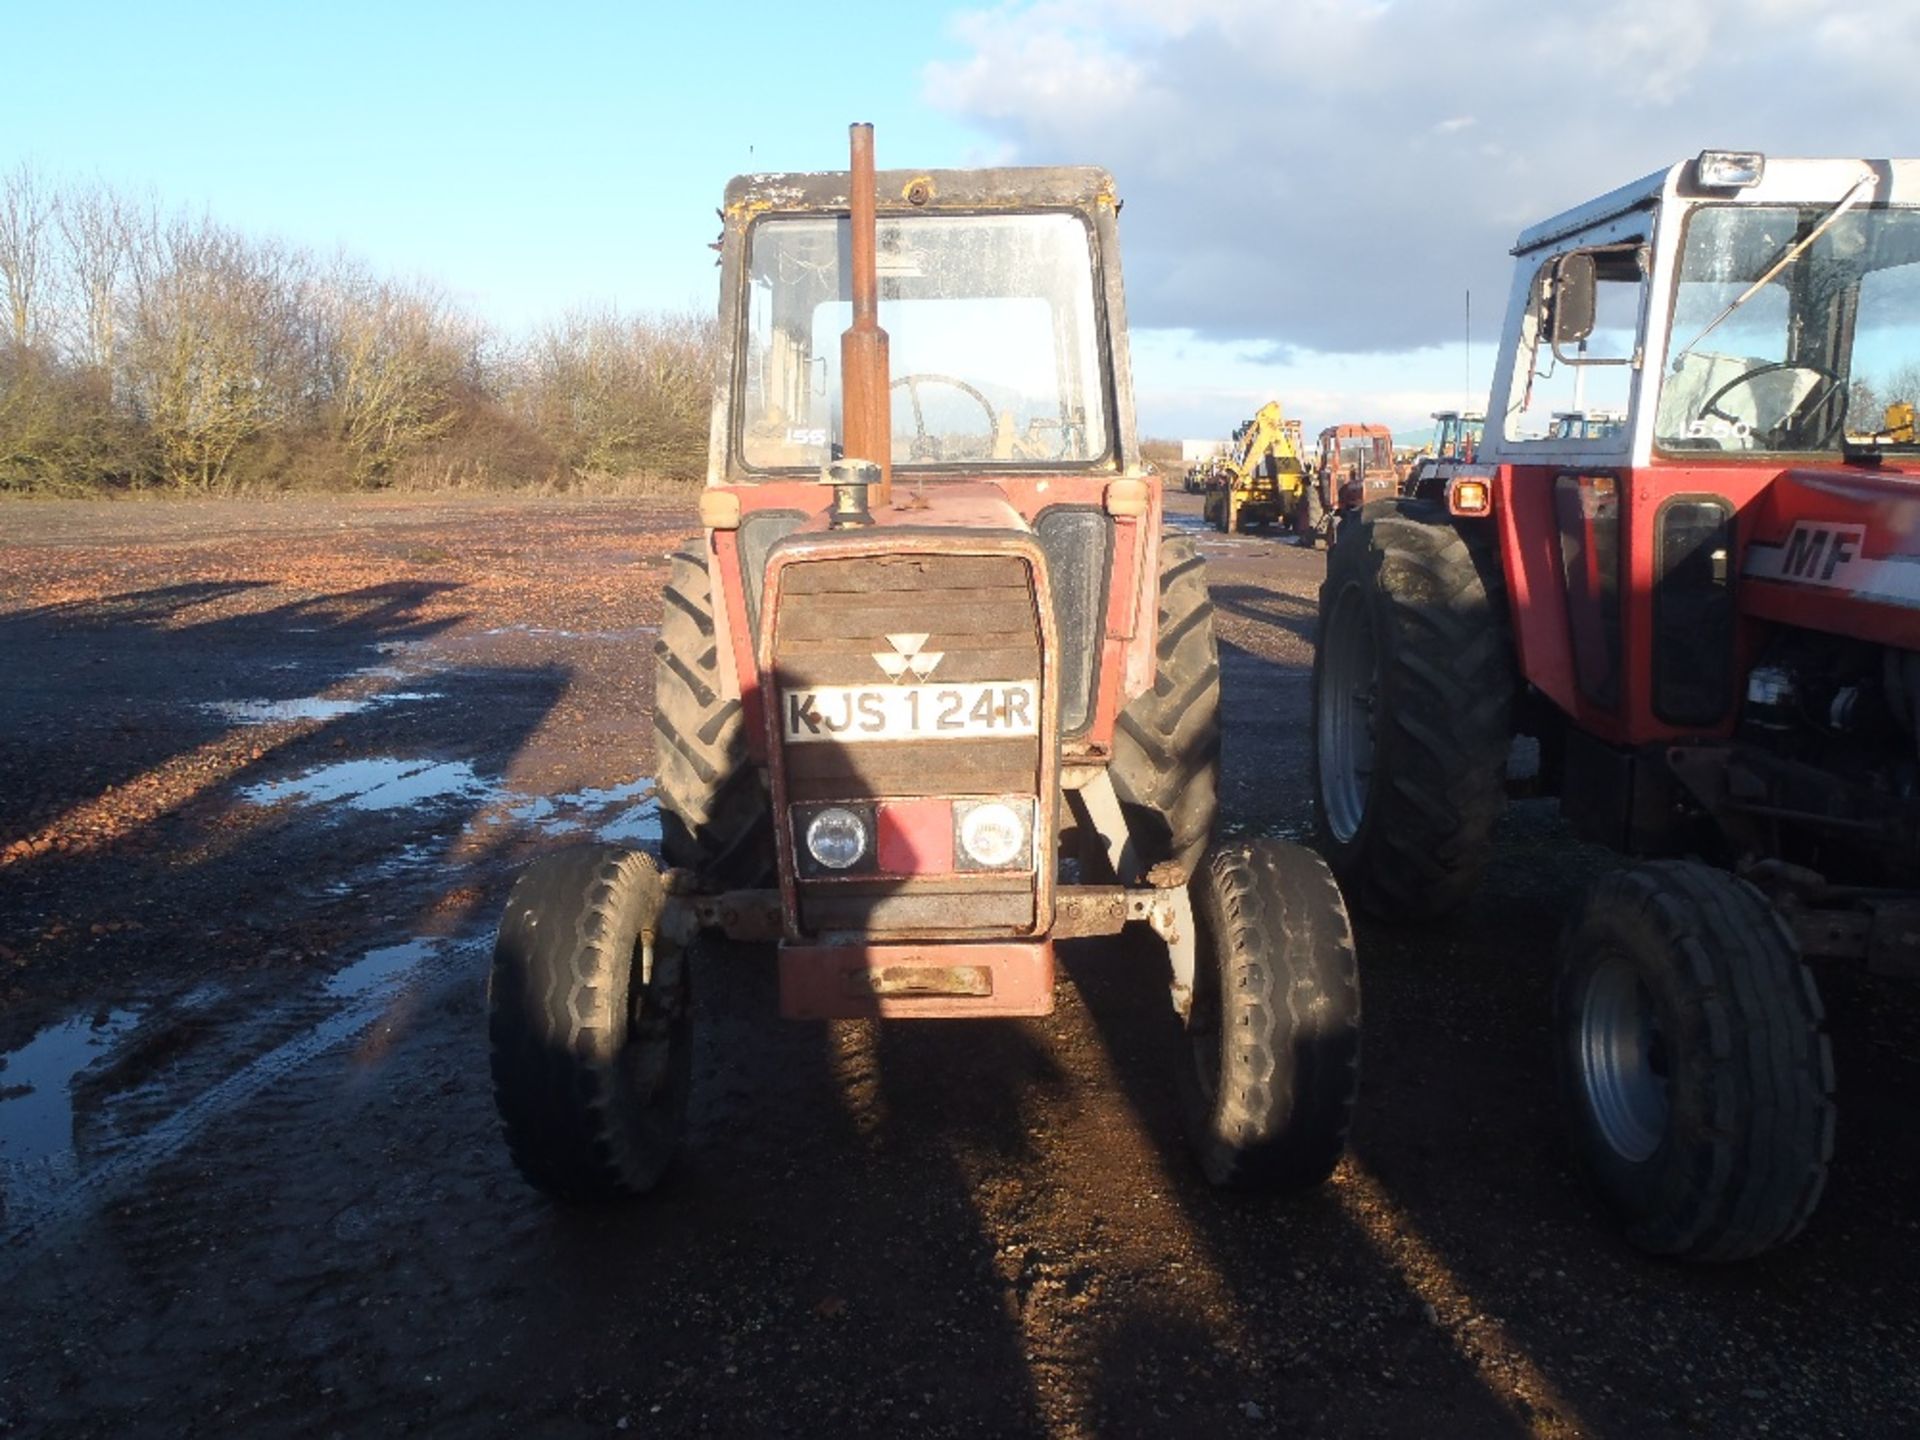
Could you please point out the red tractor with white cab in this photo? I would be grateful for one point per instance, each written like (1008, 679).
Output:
(1707, 611)
(933, 693)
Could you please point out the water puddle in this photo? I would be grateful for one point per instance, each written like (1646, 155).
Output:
(36, 1088)
(49, 1169)
(627, 814)
(623, 814)
(379, 968)
(309, 707)
(381, 783)
(632, 632)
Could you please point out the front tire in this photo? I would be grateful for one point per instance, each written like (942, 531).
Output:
(1274, 1030)
(1694, 1062)
(1413, 686)
(589, 1027)
(714, 815)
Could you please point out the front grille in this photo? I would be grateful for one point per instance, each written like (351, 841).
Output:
(979, 615)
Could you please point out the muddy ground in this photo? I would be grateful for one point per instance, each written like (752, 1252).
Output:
(265, 772)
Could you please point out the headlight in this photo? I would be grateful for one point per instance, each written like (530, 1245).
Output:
(837, 839)
(993, 835)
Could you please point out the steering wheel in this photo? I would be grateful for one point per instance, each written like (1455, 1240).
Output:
(925, 447)
(1814, 401)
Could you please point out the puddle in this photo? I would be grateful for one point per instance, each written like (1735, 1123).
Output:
(45, 1176)
(638, 826)
(36, 1095)
(630, 633)
(383, 783)
(378, 968)
(635, 817)
(308, 707)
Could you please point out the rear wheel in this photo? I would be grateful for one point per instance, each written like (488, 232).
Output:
(1413, 689)
(1694, 1062)
(1311, 515)
(714, 815)
(589, 1026)
(1166, 743)
(1274, 1030)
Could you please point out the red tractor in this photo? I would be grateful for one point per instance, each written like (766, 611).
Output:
(933, 693)
(1707, 612)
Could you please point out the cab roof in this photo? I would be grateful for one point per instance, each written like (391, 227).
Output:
(1051, 187)
(1787, 180)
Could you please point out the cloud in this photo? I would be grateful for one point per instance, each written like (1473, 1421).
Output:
(1330, 177)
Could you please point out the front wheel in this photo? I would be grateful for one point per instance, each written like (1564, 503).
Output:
(589, 1027)
(1694, 1063)
(1273, 1034)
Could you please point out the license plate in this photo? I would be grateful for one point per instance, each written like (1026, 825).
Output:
(845, 713)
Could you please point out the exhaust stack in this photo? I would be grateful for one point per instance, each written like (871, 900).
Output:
(866, 423)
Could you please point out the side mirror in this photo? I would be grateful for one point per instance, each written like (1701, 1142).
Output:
(1575, 280)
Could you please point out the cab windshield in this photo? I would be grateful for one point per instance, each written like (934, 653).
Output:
(993, 330)
(1824, 355)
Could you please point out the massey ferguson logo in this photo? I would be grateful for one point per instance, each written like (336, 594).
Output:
(1815, 551)
(908, 658)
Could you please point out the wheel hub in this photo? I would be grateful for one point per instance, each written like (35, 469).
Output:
(1349, 690)
(1623, 1061)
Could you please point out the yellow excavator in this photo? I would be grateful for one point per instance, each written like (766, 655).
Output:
(1264, 480)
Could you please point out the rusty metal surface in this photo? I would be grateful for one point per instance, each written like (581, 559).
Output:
(1077, 187)
(750, 915)
(861, 981)
(867, 409)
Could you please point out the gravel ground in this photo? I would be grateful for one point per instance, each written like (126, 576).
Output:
(267, 770)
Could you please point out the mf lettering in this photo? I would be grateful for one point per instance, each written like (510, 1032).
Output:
(1815, 553)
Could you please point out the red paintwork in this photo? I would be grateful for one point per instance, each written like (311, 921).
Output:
(914, 837)
(980, 522)
(1127, 654)
(829, 982)
(1768, 501)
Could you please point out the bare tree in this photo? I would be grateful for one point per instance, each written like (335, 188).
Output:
(100, 228)
(621, 394)
(398, 358)
(219, 345)
(27, 209)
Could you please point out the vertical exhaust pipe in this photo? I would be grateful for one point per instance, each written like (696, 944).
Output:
(866, 420)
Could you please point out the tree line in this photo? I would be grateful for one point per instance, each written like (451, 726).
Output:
(147, 348)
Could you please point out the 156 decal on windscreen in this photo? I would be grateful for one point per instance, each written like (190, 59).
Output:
(971, 711)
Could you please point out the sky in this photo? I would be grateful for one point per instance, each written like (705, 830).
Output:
(1313, 188)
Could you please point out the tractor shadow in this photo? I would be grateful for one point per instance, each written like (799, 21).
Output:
(1294, 614)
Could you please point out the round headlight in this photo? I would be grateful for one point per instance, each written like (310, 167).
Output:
(993, 835)
(836, 838)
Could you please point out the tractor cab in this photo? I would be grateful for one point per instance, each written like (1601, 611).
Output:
(1456, 438)
(1456, 434)
(1586, 424)
(1695, 383)
(995, 323)
(1357, 465)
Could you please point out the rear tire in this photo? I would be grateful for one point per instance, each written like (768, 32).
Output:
(1166, 742)
(1413, 687)
(1274, 1031)
(1694, 1062)
(715, 818)
(589, 1026)
(1312, 515)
